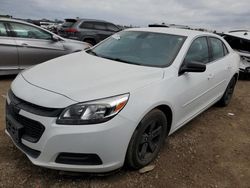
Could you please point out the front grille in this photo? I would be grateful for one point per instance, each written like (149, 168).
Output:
(32, 130)
(32, 108)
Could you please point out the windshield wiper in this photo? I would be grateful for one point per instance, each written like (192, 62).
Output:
(121, 60)
(92, 52)
(114, 59)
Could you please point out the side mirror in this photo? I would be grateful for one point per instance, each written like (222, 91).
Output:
(192, 67)
(55, 38)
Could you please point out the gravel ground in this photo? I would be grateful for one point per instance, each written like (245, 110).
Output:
(213, 150)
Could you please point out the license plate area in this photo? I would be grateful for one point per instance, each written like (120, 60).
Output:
(15, 130)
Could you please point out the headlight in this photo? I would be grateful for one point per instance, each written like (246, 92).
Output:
(97, 111)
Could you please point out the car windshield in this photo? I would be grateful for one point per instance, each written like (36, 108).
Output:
(140, 48)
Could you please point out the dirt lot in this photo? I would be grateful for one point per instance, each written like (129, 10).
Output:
(211, 151)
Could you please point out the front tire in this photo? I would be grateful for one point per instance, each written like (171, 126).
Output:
(147, 140)
(226, 98)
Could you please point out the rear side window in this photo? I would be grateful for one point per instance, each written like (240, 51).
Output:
(217, 48)
(112, 27)
(198, 51)
(99, 26)
(87, 25)
(3, 32)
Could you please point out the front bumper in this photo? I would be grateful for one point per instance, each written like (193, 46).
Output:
(108, 140)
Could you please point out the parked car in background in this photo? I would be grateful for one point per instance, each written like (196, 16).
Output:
(116, 102)
(23, 45)
(46, 25)
(239, 40)
(87, 30)
(49, 26)
(170, 26)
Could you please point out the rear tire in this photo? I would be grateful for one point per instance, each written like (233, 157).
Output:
(226, 98)
(147, 140)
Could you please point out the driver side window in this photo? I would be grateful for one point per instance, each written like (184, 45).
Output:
(198, 51)
(27, 31)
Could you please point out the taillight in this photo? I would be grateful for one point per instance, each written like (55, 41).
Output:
(71, 30)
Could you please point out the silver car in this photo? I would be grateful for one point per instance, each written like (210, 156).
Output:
(87, 30)
(23, 45)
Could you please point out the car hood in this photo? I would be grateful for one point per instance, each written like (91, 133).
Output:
(74, 41)
(75, 45)
(83, 77)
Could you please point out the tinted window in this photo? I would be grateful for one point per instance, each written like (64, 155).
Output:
(99, 26)
(26, 31)
(143, 48)
(198, 51)
(87, 25)
(217, 48)
(112, 27)
(3, 31)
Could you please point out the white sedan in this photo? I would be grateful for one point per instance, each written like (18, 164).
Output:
(116, 103)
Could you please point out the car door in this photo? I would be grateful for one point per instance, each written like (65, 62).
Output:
(197, 91)
(8, 50)
(101, 30)
(34, 44)
(219, 67)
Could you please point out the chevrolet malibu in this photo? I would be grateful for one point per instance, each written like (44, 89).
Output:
(116, 103)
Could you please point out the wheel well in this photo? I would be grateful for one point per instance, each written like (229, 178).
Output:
(168, 113)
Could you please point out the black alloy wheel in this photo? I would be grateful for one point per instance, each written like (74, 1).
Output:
(147, 139)
(226, 98)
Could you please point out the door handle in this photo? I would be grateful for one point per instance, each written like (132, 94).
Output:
(24, 45)
(210, 76)
(229, 68)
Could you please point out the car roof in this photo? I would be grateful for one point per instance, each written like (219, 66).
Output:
(174, 31)
(13, 20)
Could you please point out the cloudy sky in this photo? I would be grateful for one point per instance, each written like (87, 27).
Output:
(212, 14)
